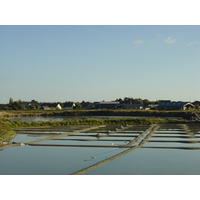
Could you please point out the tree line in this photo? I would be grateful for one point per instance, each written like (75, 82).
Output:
(32, 105)
(21, 105)
(128, 100)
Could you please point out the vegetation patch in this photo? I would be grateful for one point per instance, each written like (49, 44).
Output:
(6, 131)
(102, 112)
(7, 125)
(95, 121)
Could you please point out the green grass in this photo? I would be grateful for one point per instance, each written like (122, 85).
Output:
(102, 112)
(6, 131)
(6, 125)
(92, 121)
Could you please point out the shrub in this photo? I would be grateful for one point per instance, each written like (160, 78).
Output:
(6, 131)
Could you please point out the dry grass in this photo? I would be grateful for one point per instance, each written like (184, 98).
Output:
(102, 112)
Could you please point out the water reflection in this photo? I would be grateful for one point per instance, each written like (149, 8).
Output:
(161, 153)
(27, 138)
(28, 160)
(152, 162)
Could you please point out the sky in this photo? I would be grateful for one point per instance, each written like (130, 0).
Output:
(99, 62)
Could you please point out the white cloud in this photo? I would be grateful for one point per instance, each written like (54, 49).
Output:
(192, 43)
(138, 42)
(169, 40)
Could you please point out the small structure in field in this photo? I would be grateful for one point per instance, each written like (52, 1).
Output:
(175, 106)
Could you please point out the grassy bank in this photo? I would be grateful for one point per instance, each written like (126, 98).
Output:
(103, 112)
(6, 125)
(6, 131)
(95, 121)
(131, 112)
(21, 113)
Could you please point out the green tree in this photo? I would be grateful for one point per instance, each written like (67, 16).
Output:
(14, 105)
(11, 101)
(146, 102)
(78, 106)
(119, 99)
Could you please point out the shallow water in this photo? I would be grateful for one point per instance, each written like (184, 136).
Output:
(72, 142)
(171, 144)
(31, 160)
(27, 138)
(64, 160)
(153, 162)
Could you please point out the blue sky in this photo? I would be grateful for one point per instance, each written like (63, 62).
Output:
(95, 63)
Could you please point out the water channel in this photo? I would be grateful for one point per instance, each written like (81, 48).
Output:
(108, 150)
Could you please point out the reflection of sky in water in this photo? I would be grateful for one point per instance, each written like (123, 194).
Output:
(51, 160)
(171, 144)
(173, 139)
(152, 162)
(156, 135)
(73, 142)
(172, 131)
(78, 137)
(120, 138)
(27, 138)
(67, 160)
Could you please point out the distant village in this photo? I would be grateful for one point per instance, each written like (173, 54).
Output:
(126, 103)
